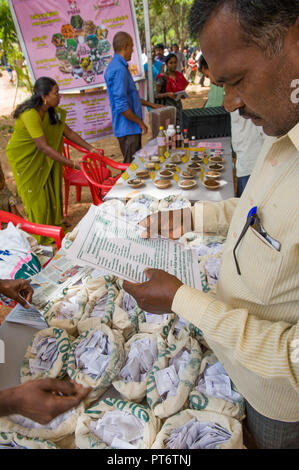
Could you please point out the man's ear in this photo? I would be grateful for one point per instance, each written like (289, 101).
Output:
(291, 43)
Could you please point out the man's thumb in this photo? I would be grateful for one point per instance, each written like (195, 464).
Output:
(128, 286)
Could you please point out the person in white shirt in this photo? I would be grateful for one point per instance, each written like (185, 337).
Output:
(247, 141)
(180, 57)
(144, 57)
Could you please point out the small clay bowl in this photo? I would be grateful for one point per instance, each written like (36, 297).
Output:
(187, 184)
(211, 184)
(162, 184)
(142, 174)
(154, 159)
(189, 174)
(216, 159)
(175, 158)
(170, 166)
(212, 175)
(197, 159)
(135, 183)
(194, 166)
(150, 166)
(215, 166)
(166, 174)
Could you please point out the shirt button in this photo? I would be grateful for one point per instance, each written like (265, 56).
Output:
(235, 234)
(274, 162)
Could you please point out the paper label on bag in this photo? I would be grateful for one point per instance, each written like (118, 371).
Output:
(133, 166)
(125, 176)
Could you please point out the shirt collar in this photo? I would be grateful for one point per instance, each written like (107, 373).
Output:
(294, 136)
(121, 59)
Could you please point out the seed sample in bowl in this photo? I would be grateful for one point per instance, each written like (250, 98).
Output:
(216, 159)
(162, 184)
(170, 166)
(187, 184)
(135, 183)
(175, 158)
(150, 165)
(142, 173)
(215, 166)
(213, 175)
(197, 159)
(194, 166)
(211, 184)
(166, 173)
(189, 173)
(154, 159)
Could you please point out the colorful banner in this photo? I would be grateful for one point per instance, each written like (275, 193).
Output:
(89, 114)
(71, 40)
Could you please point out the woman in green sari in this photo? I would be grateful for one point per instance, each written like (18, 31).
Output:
(34, 153)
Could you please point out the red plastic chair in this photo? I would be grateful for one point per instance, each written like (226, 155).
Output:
(98, 175)
(71, 176)
(30, 227)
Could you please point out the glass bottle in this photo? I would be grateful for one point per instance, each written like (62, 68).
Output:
(161, 140)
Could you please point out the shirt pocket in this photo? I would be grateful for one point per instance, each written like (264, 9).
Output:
(259, 264)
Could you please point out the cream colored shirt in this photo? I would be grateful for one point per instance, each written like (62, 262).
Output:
(253, 324)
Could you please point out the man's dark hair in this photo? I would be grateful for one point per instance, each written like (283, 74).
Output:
(263, 22)
(159, 46)
(202, 63)
(121, 40)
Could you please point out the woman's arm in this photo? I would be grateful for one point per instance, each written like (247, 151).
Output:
(43, 146)
(74, 137)
(160, 95)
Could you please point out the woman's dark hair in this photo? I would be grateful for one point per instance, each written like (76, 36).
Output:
(170, 56)
(263, 23)
(42, 87)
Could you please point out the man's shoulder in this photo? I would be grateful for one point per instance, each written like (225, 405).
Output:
(115, 66)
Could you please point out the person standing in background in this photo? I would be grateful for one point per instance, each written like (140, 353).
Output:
(247, 142)
(126, 105)
(216, 94)
(180, 58)
(159, 51)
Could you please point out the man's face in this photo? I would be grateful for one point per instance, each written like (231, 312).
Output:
(175, 49)
(159, 52)
(129, 51)
(260, 87)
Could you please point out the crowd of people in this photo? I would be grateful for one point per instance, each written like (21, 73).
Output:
(250, 54)
(188, 59)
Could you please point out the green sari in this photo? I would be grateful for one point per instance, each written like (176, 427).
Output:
(38, 177)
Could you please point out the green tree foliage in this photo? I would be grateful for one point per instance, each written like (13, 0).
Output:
(168, 20)
(11, 45)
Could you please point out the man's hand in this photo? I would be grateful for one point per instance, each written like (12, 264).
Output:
(167, 224)
(17, 289)
(143, 127)
(157, 294)
(42, 400)
(157, 106)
